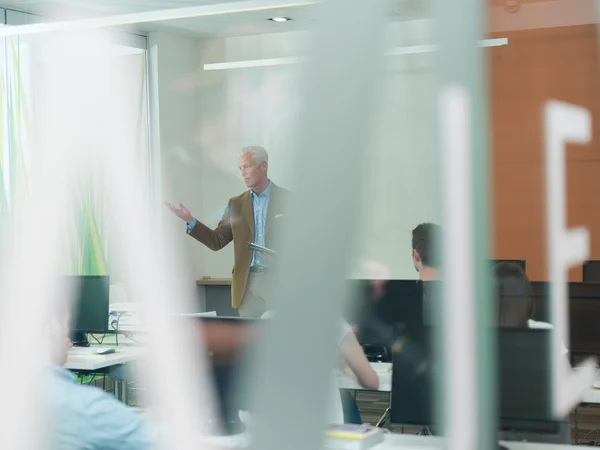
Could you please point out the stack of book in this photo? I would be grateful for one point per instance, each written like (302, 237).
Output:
(352, 437)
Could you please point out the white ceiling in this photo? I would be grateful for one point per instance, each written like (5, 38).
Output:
(256, 22)
(240, 24)
(100, 7)
(532, 14)
(225, 25)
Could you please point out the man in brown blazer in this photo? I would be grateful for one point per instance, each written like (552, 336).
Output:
(253, 216)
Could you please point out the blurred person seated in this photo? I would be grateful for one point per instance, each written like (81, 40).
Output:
(372, 326)
(514, 296)
(86, 417)
(515, 299)
(353, 362)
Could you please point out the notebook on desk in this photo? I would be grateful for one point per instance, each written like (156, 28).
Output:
(352, 437)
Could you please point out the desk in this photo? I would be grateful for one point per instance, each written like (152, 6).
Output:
(413, 442)
(214, 281)
(384, 370)
(85, 359)
(591, 396)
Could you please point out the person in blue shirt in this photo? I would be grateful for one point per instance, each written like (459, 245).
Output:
(86, 417)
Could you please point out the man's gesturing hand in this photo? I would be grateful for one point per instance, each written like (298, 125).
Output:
(180, 211)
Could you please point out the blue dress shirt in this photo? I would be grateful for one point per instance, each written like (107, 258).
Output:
(86, 417)
(260, 204)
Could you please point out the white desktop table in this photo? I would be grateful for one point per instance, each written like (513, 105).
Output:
(384, 370)
(86, 358)
(392, 442)
(414, 442)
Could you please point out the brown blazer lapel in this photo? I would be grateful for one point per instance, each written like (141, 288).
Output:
(248, 211)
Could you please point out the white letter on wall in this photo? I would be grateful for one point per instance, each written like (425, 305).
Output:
(563, 123)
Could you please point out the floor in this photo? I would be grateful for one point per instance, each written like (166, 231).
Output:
(372, 406)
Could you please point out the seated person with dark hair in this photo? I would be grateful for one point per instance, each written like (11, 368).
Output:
(425, 238)
(514, 297)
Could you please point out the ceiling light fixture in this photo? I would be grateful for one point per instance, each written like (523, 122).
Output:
(279, 19)
(398, 51)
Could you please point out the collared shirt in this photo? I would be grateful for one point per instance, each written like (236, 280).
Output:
(86, 417)
(260, 204)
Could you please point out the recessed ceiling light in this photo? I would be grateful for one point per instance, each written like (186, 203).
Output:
(279, 19)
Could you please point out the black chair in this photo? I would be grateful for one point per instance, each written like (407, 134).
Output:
(520, 262)
(591, 272)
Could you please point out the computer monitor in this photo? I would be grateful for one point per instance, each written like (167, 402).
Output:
(584, 314)
(90, 306)
(377, 319)
(523, 385)
(591, 272)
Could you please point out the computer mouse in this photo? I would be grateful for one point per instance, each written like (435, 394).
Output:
(105, 351)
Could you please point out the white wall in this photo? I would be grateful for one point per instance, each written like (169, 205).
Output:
(207, 116)
(259, 106)
(173, 66)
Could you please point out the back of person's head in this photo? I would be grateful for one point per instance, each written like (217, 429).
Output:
(514, 296)
(425, 237)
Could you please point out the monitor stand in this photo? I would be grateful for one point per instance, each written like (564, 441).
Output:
(79, 339)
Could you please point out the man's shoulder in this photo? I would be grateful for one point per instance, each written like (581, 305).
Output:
(280, 192)
(238, 198)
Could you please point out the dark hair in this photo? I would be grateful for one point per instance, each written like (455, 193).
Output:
(514, 296)
(424, 239)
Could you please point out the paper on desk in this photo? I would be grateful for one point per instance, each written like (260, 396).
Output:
(382, 367)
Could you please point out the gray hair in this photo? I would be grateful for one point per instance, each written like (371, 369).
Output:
(259, 154)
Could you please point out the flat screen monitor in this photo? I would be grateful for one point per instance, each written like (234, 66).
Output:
(400, 304)
(90, 306)
(584, 314)
(591, 272)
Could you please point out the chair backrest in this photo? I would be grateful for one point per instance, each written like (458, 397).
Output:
(520, 262)
(591, 272)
